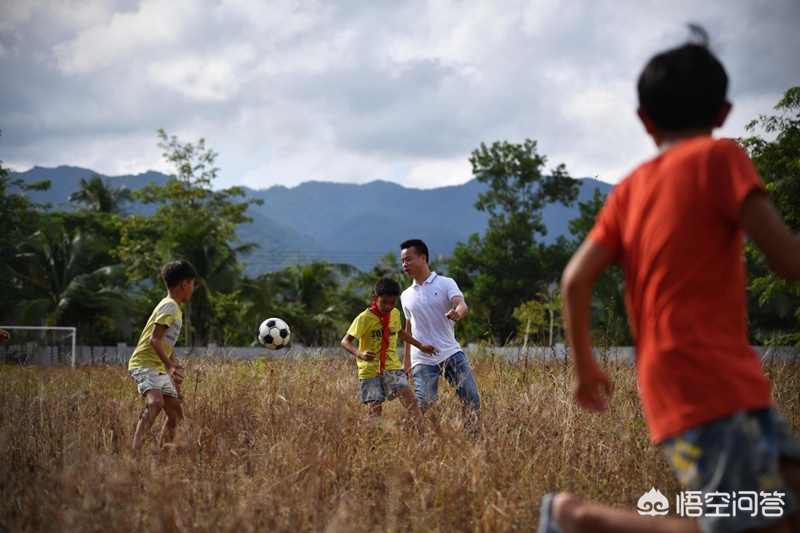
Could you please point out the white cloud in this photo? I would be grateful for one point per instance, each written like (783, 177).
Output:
(292, 90)
(154, 26)
(441, 173)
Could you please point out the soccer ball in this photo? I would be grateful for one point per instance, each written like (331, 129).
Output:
(274, 333)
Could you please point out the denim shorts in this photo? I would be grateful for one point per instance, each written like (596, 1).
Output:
(384, 387)
(149, 378)
(731, 465)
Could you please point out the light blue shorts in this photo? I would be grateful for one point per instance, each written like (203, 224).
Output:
(384, 387)
(730, 470)
(149, 378)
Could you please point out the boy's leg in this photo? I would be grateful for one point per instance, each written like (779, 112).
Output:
(426, 384)
(154, 402)
(574, 515)
(373, 395)
(174, 412)
(375, 408)
(409, 402)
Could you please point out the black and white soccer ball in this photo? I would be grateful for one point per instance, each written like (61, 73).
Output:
(274, 333)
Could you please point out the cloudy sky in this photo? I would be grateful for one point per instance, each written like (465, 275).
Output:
(289, 91)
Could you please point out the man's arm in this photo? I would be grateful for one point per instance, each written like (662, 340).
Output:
(764, 225)
(459, 309)
(592, 385)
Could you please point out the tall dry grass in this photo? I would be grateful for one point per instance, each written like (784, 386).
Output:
(285, 445)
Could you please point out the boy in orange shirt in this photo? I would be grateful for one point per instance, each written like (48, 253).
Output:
(676, 225)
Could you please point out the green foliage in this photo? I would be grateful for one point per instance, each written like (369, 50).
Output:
(507, 266)
(777, 318)
(308, 294)
(19, 217)
(63, 284)
(192, 222)
(97, 195)
(55, 268)
(610, 326)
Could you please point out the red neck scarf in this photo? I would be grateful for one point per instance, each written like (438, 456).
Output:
(385, 340)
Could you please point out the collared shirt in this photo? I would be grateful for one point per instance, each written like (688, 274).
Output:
(425, 306)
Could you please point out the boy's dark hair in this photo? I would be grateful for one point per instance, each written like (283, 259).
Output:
(387, 287)
(176, 271)
(420, 247)
(684, 88)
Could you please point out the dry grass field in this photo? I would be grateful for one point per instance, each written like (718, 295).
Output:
(285, 445)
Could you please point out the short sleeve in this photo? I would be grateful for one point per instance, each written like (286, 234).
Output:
(607, 230)
(732, 178)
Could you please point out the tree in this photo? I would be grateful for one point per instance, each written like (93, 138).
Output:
(63, 284)
(610, 326)
(192, 222)
(98, 196)
(19, 218)
(778, 161)
(507, 266)
(314, 288)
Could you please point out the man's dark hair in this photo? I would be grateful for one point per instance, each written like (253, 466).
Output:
(419, 247)
(685, 87)
(387, 287)
(175, 272)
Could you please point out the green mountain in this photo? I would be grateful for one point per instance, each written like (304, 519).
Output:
(338, 222)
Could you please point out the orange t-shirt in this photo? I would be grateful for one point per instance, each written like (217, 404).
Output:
(674, 227)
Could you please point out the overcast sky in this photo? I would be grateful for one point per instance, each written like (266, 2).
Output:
(355, 91)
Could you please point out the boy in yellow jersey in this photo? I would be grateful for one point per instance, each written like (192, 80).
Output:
(380, 370)
(153, 366)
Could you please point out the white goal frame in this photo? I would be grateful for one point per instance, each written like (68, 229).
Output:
(72, 334)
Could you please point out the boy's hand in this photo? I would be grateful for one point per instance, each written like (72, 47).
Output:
(174, 372)
(428, 349)
(178, 387)
(592, 388)
(368, 355)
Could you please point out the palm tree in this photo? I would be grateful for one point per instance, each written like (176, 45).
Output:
(219, 273)
(68, 283)
(98, 196)
(312, 289)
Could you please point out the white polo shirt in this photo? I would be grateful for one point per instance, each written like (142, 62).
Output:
(425, 306)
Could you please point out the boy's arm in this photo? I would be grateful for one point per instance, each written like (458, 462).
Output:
(766, 228)
(155, 342)
(406, 337)
(347, 344)
(592, 385)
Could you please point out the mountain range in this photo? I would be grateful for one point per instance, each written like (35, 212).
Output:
(337, 222)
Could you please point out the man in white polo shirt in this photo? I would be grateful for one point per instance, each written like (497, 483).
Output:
(432, 305)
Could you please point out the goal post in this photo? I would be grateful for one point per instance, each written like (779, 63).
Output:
(39, 345)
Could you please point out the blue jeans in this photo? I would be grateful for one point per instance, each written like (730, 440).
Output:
(456, 371)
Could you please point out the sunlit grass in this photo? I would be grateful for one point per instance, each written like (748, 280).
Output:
(285, 445)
